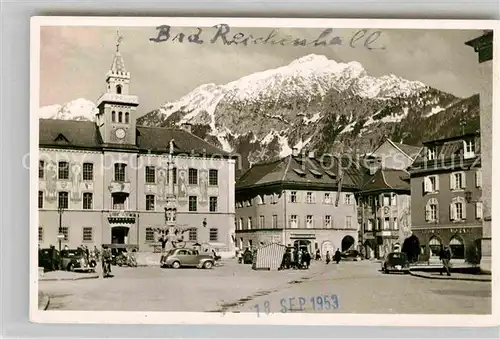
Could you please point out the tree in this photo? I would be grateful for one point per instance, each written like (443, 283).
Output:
(411, 246)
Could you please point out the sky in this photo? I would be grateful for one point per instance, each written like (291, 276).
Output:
(74, 60)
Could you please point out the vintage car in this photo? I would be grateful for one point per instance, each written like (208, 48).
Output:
(184, 257)
(351, 255)
(396, 262)
(49, 259)
(75, 260)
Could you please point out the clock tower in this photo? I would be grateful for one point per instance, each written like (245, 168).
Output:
(116, 117)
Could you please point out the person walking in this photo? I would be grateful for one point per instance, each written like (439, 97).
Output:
(307, 259)
(299, 259)
(318, 255)
(337, 256)
(445, 256)
(327, 260)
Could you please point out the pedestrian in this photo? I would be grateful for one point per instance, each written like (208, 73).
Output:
(307, 259)
(292, 258)
(318, 254)
(327, 260)
(299, 259)
(337, 256)
(445, 256)
(163, 240)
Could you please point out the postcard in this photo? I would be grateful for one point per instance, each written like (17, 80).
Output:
(263, 171)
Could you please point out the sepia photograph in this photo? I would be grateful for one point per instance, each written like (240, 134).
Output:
(261, 170)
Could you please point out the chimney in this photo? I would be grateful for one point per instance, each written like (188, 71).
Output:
(295, 151)
(186, 126)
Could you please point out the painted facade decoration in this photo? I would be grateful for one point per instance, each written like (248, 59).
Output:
(203, 187)
(51, 181)
(76, 180)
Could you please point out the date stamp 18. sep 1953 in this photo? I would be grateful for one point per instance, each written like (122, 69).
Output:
(300, 304)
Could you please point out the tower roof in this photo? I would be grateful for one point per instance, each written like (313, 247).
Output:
(118, 65)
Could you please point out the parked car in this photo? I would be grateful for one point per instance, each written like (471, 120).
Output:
(396, 262)
(49, 259)
(75, 260)
(183, 257)
(351, 255)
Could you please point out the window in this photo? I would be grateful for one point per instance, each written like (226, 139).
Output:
(41, 169)
(457, 209)
(249, 223)
(262, 222)
(431, 184)
(275, 221)
(150, 175)
(63, 172)
(328, 221)
(119, 201)
(431, 210)
(294, 221)
(65, 231)
(87, 201)
(386, 224)
(431, 153)
(293, 196)
(241, 223)
(394, 199)
(309, 221)
(174, 171)
(348, 199)
(309, 197)
(213, 204)
(113, 116)
(40, 234)
(214, 234)
(213, 177)
(479, 210)
(63, 200)
(386, 200)
(328, 198)
(274, 198)
(469, 149)
(193, 203)
(348, 222)
(457, 181)
(369, 225)
(457, 248)
(479, 178)
(120, 172)
(150, 235)
(40, 199)
(193, 176)
(120, 117)
(193, 234)
(260, 200)
(435, 246)
(150, 202)
(118, 89)
(88, 234)
(127, 118)
(88, 171)
(395, 224)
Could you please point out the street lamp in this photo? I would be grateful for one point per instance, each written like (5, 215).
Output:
(60, 235)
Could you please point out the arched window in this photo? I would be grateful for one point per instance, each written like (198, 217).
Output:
(260, 200)
(457, 248)
(457, 209)
(435, 246)
(126, 117)
(431, 210)
(113, 116)
(120, 117)
(118, 89)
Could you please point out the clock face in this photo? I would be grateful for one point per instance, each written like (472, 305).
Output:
(386, 210)
(120, 133)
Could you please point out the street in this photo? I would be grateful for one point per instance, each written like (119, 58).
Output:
(350, 287)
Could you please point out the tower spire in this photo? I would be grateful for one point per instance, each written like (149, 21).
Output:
(119, 39)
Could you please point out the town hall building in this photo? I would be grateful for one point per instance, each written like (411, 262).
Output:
(107, 181)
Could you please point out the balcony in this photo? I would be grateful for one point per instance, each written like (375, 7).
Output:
(121, 217)
(119, 187)
(387, 233)
(118, 98)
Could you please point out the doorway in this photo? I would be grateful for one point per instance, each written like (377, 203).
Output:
(304, 245)
(347, 243)
(119, 235)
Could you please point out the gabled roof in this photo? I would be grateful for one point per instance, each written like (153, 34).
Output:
(388, 179)
(306, 171)
(411, 151)
(85, 134)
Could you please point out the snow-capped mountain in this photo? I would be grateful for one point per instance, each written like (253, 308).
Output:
(79, 109)
(313, 103)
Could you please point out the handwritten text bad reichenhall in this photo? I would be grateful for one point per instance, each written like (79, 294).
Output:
(225, 35)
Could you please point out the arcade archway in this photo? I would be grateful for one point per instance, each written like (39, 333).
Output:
(347, 243)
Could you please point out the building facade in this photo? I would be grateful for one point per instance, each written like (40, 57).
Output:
(446, 201)
(483, 45)
(107, 181)
(296, 201)
(385, 199)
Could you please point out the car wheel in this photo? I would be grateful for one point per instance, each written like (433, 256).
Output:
(70, 267)
(176, 264)
(207, 265)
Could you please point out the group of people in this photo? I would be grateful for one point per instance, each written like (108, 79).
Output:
(296, 259)
(336, 257)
